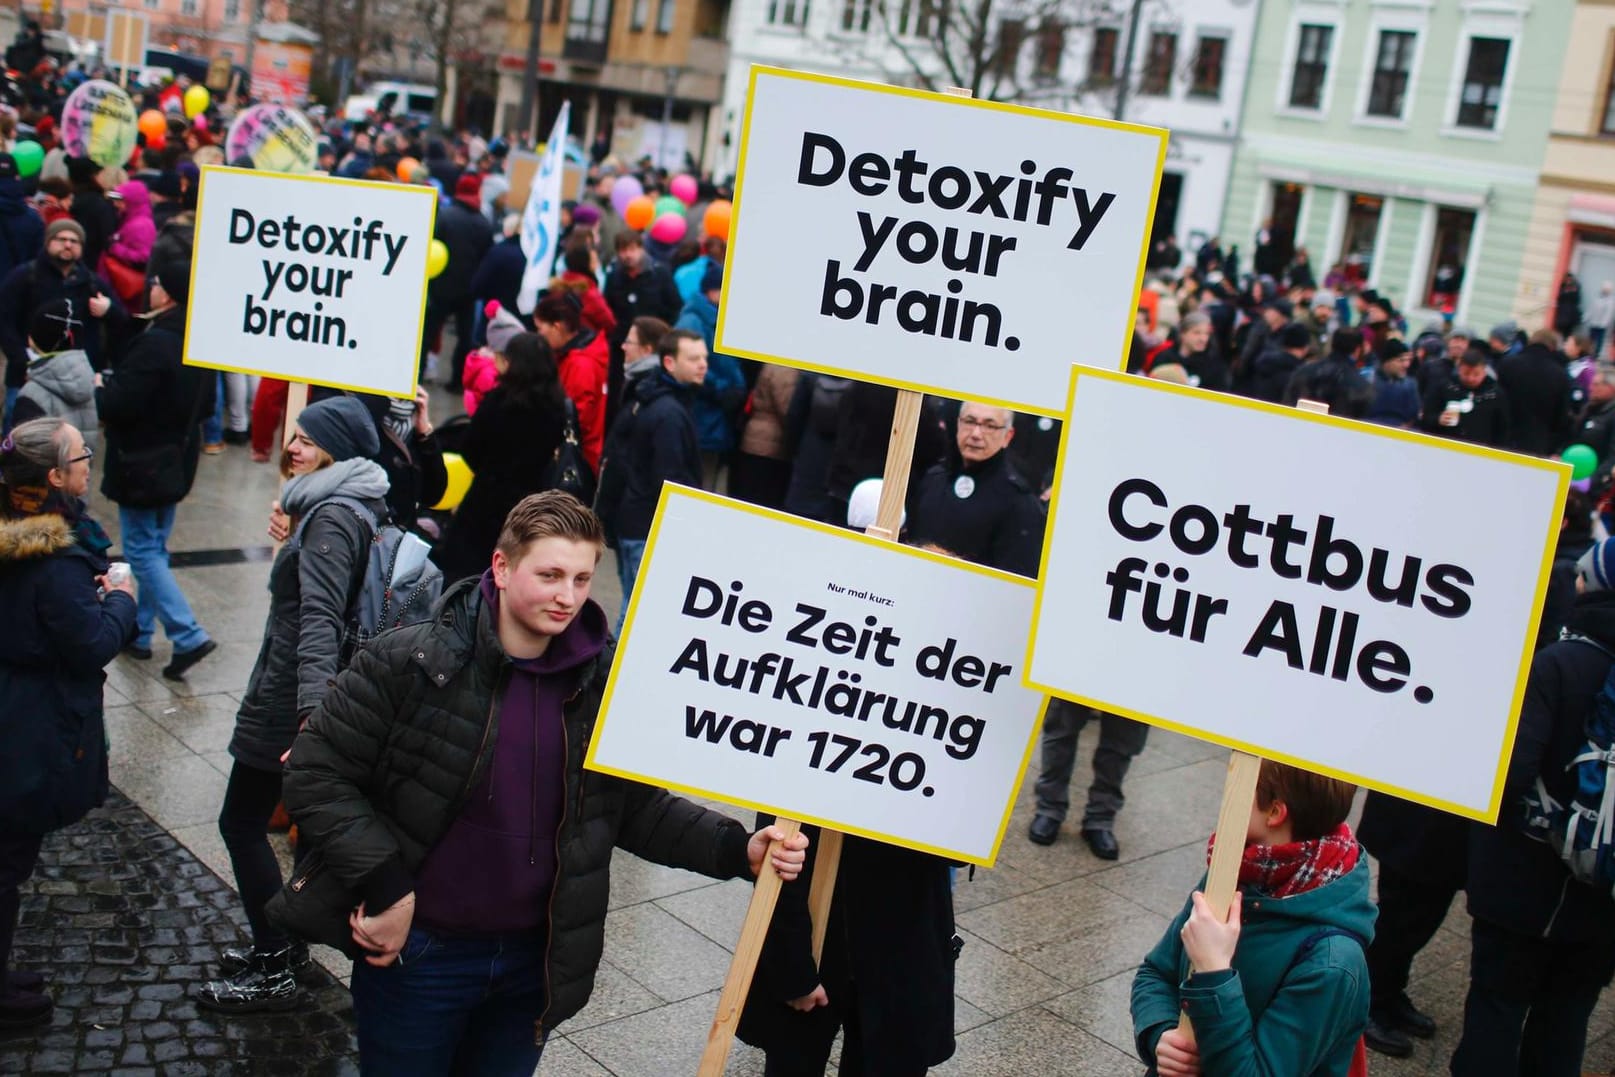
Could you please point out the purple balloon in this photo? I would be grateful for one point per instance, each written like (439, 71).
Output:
(624, 191)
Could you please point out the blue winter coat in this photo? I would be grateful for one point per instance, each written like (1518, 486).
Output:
(60, 635)
(723, 393)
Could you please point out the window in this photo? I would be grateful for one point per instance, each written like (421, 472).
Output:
(664, 16)
(1483, 82)
(1361, 236)
(589, 20)
(1311, 65)
(232, 10)
(1208, 58)
(1102, 57)
(1158, 65)
(1387, 93)
(1011, 35)
(555, 10)
(188, 8)
(1050, 49)
(780, 13)
(152, 4)
(855, 15)
(1449, 252)
(639, 15)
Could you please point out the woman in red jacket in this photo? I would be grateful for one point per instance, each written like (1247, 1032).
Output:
(581, 279)
(581, 354)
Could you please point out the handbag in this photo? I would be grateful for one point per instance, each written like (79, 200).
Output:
(128, 281)
(154, 475)
(568, 470)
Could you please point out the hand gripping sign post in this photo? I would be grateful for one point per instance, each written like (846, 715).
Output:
(310, 279)
(1299, 604)
(876, 690)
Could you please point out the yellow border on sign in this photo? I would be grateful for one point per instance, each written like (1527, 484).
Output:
(671, 490)
(757, 70)
(196, 275)
(1423, 440)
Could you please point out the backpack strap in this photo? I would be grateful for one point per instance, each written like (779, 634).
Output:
(1313, 939)
(1576, 637)
(353, 505)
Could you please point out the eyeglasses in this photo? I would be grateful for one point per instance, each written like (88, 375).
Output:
(89, 454)
(986, 426)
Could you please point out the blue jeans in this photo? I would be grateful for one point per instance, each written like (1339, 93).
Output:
(452, 1006)
(11, 406)
(629, 553)
(145, 545)
(213, 423)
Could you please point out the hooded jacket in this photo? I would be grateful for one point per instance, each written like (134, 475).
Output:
(53, 760)
(389, 759)
(22, 229)
(153, 400)
(582, 365)
(1285, 1007)
(138, 230)
(61, 385)
(722, 395)
(662, 447)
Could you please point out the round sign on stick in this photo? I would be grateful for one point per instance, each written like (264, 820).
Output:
(639, 213)
(715, 222)
(275, 138)
(99, 122)
(624, 191)
(669, 228)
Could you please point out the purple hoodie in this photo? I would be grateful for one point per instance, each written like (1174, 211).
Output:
(492, 872)
(138, 231)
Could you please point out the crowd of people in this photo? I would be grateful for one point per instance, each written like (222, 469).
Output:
(452, 748)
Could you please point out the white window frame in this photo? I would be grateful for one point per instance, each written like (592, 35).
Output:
(1313, 13)
(1226, 35)
(1412, 16)
(1483, 20)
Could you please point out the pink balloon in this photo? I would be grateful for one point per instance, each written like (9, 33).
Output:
(200, 121)
(685, 189)
(669, 228)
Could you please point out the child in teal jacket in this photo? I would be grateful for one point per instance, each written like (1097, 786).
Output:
(1279, 989)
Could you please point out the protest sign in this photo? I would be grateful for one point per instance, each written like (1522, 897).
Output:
(275, 138)
(874, 689)
(1352, 599)
(934, 242)
(310, 278)
(98, 122)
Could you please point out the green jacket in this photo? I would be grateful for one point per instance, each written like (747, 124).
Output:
(1243, 1022)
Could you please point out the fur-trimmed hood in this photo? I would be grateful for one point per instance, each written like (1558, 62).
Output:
(27, 538)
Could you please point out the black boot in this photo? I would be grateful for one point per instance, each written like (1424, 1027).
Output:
(268, 984)
(1409, 1018)
(238, 959)
(1383, 1036)
(23, 1009)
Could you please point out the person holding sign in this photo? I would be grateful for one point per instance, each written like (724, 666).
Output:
(458, 845)
(1281, 986)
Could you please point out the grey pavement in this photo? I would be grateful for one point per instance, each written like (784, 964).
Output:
(1052, 934)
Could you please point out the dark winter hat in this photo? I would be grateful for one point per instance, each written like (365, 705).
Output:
(586, 215)
(1294, 336)
(64, 224)
(342, 427)
(1391, 348)
(82, 169)
(1282, 305)
(1504, 331)
(167, 185)
(54, 326)
(468, 189)
(1597, 567)
(174, 274)
(712, 279)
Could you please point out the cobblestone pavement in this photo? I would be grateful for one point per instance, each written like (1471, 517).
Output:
(124, 922)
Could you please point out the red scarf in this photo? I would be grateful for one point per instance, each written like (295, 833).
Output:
(1295, 867)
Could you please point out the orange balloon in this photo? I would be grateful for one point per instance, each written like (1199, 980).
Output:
(640, 212)
(153, 124)
(716, 220)
(406, 168)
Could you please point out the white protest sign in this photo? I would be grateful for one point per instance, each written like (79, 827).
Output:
(310, 278)
(934, 242)
(1352, 599)
(801, 669)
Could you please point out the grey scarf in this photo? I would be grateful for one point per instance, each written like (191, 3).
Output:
(359, 478)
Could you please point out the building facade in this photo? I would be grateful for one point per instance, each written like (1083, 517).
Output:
(1572, 222)
(1187, 72)
(1403, 141)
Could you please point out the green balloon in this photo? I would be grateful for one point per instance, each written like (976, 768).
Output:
(670, 204)
(1582, 459)
(29, 156)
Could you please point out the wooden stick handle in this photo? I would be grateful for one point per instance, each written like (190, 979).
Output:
(744, 965)
(296, 401)
(1233, 820)
(826, 865)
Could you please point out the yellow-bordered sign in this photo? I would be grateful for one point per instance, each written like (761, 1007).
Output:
(1504, 521)
(999, 265)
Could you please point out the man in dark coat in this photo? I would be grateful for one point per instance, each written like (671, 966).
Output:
(1543, 944)
(1595, 426)
(1271, 370)
(1471, 406)
(1539, 394)
(58, 273)
(466, 233)
(1335, 379)
(637, 285)
(499, 274)
(152, 409)
(457, 837)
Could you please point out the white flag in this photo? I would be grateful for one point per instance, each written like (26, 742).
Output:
(541, 222)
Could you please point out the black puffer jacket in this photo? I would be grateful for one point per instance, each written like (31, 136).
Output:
(386, 762)
(311, 584)
(153, 399)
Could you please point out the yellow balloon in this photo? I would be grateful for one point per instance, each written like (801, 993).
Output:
(437, 258)
(459, 481)
(196, 101)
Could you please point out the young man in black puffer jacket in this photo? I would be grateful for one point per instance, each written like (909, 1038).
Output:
(458, 845)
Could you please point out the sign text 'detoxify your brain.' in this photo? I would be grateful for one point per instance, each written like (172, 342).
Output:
(934, 242)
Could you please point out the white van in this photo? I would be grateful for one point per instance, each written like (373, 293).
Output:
(399, 99)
